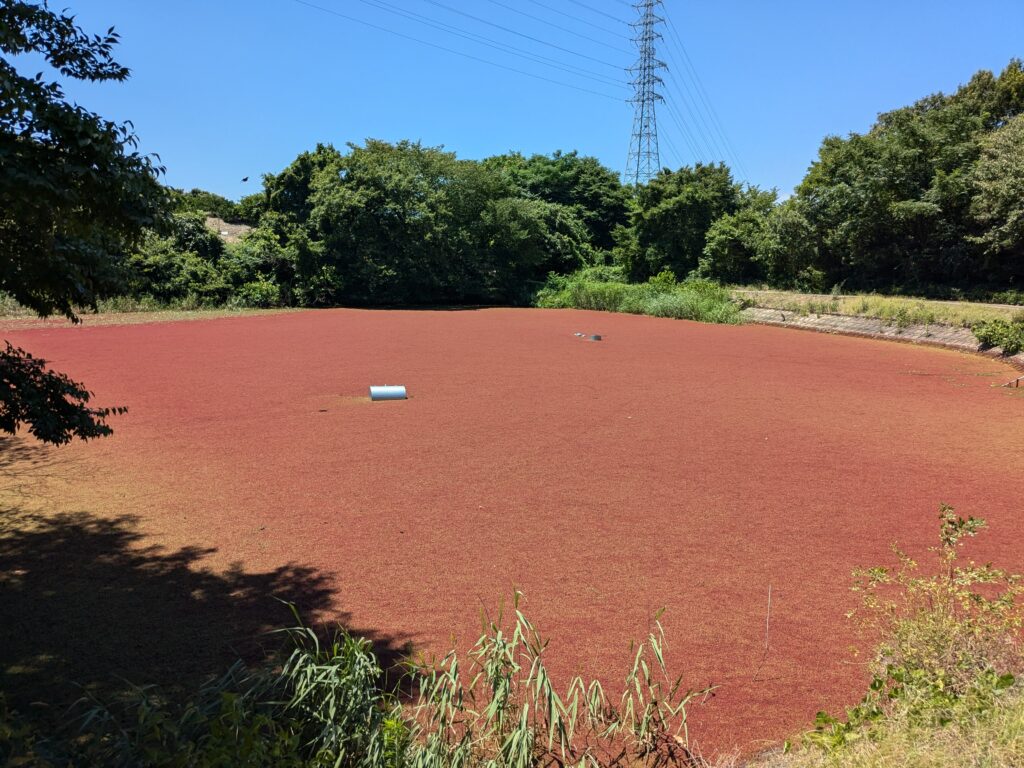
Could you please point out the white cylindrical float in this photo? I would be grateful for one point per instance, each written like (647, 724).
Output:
(388, 392)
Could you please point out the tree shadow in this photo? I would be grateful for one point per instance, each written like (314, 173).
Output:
(88, 604)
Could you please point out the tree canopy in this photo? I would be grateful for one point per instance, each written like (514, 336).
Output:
(75, 198)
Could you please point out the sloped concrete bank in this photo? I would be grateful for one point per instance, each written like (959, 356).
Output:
(935, 335)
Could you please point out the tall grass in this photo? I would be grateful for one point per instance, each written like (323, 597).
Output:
(604, 289)
(324, 705)
(498, 706)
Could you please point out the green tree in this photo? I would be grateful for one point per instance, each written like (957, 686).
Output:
(892, 208)
(208, 203)
(674, 212)
(998, 203)
(593, 191)
(407, 224)
(74, 195)
(186, 264)
(526, 240)
(736, 242)
(789, 250)
(74, 199)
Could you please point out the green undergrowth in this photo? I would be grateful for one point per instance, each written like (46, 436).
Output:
(945, 687)
(324, 704)
(1008, 335)
(605, 289)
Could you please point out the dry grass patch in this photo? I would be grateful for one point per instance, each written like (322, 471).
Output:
(893, 310)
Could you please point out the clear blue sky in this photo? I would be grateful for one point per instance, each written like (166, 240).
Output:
(223, 89)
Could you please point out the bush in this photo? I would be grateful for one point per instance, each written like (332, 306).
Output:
(661, 296)
(260, 294)
(1008, 335)
(951, 644)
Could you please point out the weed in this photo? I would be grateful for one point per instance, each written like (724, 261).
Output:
(951, 641)
(324, 705)
(899, 311)
(1005, 334)
(501, 708)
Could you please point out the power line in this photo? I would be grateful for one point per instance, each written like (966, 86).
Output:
(558, 26)
(711, 149)
(520, 34)
(692, 140)
(673, 151)
(456, 52)
(496, 44)
(592, 9)
(701, 104)
(702, 93)
(575, 18)
(704, 144)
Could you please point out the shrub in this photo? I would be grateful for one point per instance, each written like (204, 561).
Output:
(950, 646)
(1008, 335)
(260, 293)
(322, 707)
(660, 296)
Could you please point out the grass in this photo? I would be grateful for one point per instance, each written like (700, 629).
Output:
(120, 311)
(892, 310)
(994, 739)
(604, 289)
(324, 704)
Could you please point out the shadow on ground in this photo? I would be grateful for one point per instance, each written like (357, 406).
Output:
(87, 603)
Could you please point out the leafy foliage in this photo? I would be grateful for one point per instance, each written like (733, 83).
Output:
(406, 224)
(74, 200)
(951, 641)
(673, 215)
(605, 289)
(893, 207)
(998, 203)
(74, 197)
(185, 263)
(1008, 335)
(593, 192)
(207, 203)
(55, 408)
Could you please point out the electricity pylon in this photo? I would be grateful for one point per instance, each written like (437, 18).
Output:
(644, 160)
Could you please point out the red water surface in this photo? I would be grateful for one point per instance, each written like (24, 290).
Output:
(672, 464)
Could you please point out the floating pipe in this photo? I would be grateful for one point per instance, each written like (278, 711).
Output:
(388, 392)
(595, 337)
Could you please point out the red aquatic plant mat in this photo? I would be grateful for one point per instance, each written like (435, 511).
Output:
(671, 464)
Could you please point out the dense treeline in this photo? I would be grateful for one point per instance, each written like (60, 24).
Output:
(929, 200)
(390, 224)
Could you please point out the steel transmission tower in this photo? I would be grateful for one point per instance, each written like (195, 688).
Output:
(644, 160)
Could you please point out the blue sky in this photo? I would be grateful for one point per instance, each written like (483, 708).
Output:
(223, 89)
